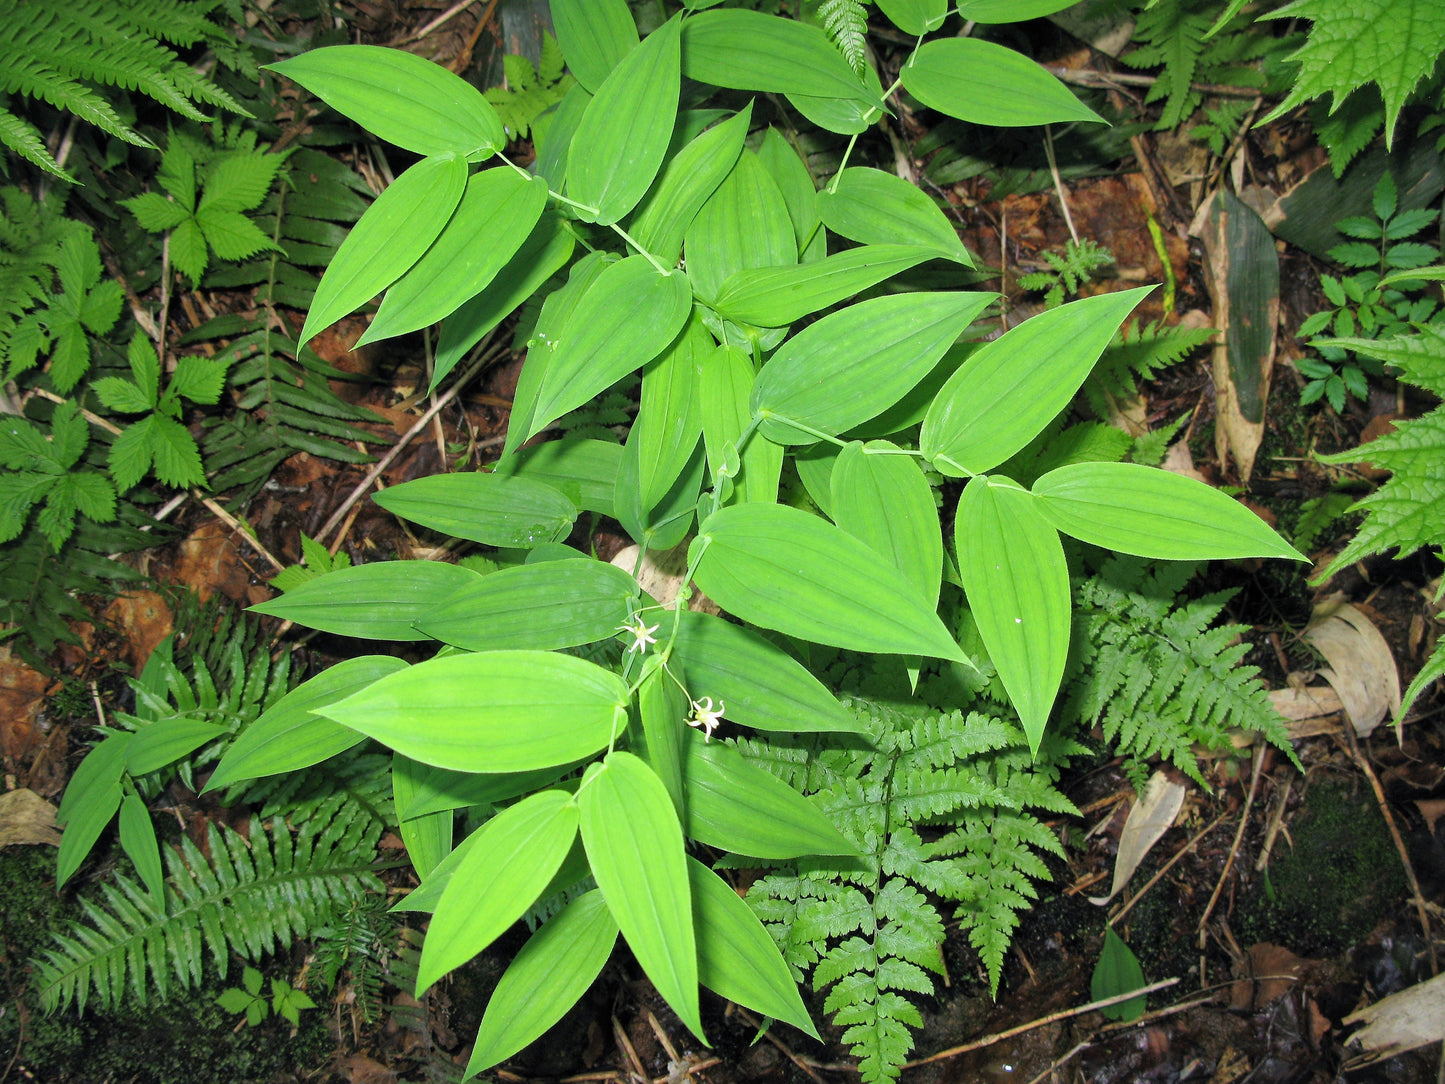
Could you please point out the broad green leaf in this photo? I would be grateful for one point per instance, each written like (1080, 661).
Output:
(1017, 583)
(500, 205)
(662, 710)
(389, 238)
(684, 185)
(101, 768)
(547, 606)
(789, 172)
(625, 319)
(436, 789)
(877, 208)
(381, 601)
(778, 296)
(289, 736)
(857, 362)
(984, 83)
(779, 567)
(138, 840)
(554, 140)
(1153, 513)
(815, 470)
(634, 844)
(496, 711)
(595, 36)
(1009, 389)
(737, 807)
(666, 523)
(515, 855)
(669, 418)
(747, 50)
(557, 309)
(428, 837)
(1009, 11)
(553, 970)
(844, 115)
(918, 17)
(91, 800)
(401, 98)
(761, 685)
(583, 468)
(493, 509)
(1118, 972)
(883, 499)
(744, 224)
(545, 251)
(736, 956)
(623, 135)
(726, 387)
(166, 741)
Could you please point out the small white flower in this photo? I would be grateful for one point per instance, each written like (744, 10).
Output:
(704, 715)
(640, 633)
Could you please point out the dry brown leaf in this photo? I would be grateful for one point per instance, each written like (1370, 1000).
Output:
(662, 574)
(25, 817)
(1150, 818)
(22, 691)
(1402, 1021)
(1361, 668)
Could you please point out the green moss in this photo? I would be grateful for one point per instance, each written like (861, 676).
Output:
(1334, 885)
(187, 1039)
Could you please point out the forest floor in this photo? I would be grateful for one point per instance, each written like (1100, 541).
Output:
(1274, 905)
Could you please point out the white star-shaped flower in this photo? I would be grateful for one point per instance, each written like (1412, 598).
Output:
(704, 715)
(640, 633)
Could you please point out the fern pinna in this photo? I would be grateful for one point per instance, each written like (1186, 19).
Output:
(1156, 674)
(941, 804)
(251, 895)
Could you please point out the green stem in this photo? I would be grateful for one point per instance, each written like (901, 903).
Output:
(641, 251)
(829, 437)
(833, 184)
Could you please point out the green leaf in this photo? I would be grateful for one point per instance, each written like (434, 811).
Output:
(736, 956)
(918, 17)
(684, 185)
(436, 789)
(499, 204)
(726, 386)
(634, 844)
(172, 449)
(853, 364)
(1017, 582)
(101, 768)
(552, 971)
(166, 741)
(1118, 972)
(784, 569)
(1010, 11)
(737, 807)
(744, 224)
(389, 238)
(199, 379)
(401, 98)
(884, 500)
(623, 135)
(545, 252)
(231, 235)
(984, 83)
(595, 36)
(289, 736)
(514, 858)
(496, 711)
(553, 605)
(580, 465)
(747, 50)
(669, 416)
(554, 139)
(1392, 43)
(138, 840)
(493, 509)
(91, 800)
(121, 395)
(1153, 513)
(779, 296)
(1007, 391)
(155, 213)
(877, 208)
(666, 523)
(761, 685)
(790, 173)
(379, 601)
(624, 320)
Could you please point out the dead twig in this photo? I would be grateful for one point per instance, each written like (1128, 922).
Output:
(1043, 1021)
(1180, 853)
(1233, 850)
(801, 1063)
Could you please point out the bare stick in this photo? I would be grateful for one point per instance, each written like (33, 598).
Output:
(754, 1022)
(1180, 853)
(396, 449)
(1052, 1018)
(1058, 181)
(1233, 849)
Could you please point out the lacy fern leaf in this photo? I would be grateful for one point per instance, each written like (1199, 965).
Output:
(250, 897)
(846, 22)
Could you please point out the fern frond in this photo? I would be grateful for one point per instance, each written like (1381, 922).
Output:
(249, 897)
(846, 22)
(1136, 355)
